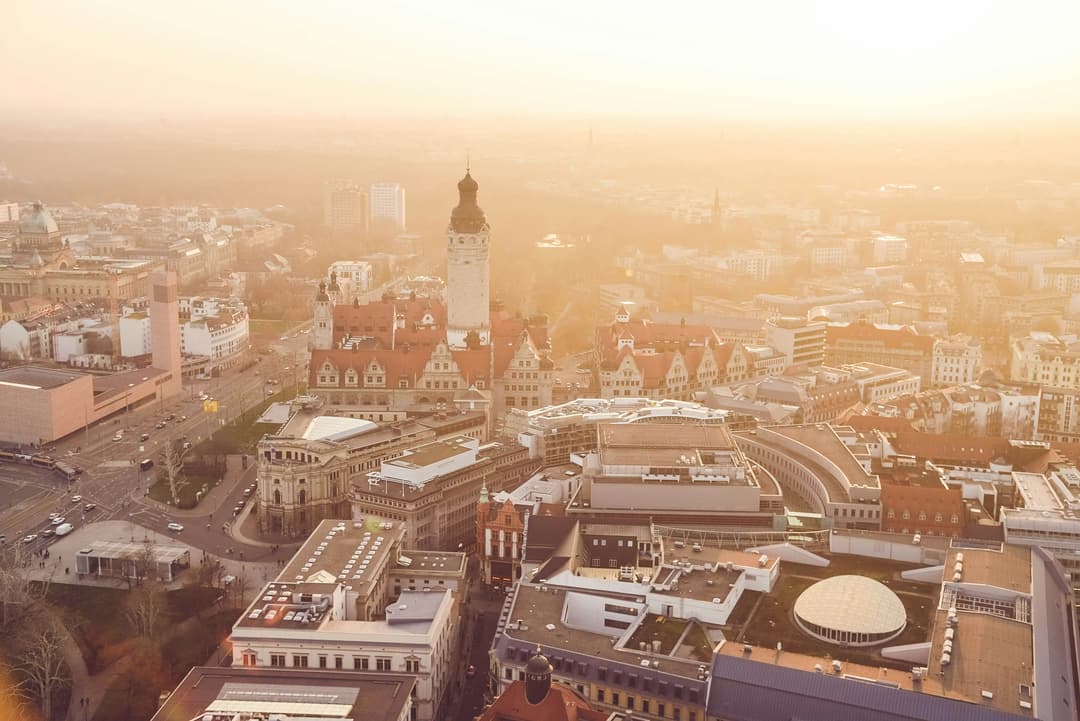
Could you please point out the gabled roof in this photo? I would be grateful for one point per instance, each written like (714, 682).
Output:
(473, 364)
(398, 364)
(560, 704)
(377, 320)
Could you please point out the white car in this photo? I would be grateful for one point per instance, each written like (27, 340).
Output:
(30, 539)
(76, 499)
(175, 527)
(57, 521)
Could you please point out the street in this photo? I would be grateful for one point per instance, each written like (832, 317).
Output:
(113, 483)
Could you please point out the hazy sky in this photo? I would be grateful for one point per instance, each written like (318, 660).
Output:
(713, 59)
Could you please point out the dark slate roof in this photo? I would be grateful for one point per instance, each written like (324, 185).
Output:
(746, 690)
(545, 535)
(583, 667)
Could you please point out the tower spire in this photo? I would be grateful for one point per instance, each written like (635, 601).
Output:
(483, 491)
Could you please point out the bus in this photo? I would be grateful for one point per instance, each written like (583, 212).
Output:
(68, 471)
(43, 462)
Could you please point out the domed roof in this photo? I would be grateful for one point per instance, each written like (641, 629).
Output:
(467, 184)
(467, 217)
(538, 664)
(855, 604)
(38, 220)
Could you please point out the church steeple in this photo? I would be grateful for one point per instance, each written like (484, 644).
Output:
(467, 217)
(484, 492)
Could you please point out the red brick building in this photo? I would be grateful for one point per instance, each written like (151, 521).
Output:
(500, 535)
(919, 501)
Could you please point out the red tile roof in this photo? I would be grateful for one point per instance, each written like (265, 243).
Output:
(901, 338)
(377, 320)
(560, 704)
(397, 364)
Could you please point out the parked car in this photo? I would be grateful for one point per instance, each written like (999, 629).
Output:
(118, 436)
(89, 506)
(146, 436)
(76, 499)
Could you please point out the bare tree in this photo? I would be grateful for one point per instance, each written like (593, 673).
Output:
(146, 602)
(172, 462)
(18, 594)
(41, 670)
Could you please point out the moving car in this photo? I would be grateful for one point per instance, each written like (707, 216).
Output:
(119, 436)
(48, 533)
(175, 527)
(76, 499)
(64, 529)
(30, 538)
(89, 506)
(57, 521)
(159, 424)
(146, 436)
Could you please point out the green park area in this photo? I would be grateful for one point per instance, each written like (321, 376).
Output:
(203, 465)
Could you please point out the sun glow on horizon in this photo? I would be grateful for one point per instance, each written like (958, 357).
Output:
(694, 59)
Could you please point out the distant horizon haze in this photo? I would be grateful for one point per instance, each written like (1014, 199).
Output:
(839, 62)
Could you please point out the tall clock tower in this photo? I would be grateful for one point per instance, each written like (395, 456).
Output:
(468, 275)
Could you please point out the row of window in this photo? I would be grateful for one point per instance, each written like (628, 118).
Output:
(922, 516)
(359, 663)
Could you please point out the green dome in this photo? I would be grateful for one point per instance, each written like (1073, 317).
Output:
(38, 220)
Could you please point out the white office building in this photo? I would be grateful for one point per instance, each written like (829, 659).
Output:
(387, 204)
(330, 609)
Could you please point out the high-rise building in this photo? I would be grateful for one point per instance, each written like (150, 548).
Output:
(387, 205)
(468, 241)
(165, 330)
(344, 208)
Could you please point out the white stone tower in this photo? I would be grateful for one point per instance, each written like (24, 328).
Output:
(468, 242)
(323, 326)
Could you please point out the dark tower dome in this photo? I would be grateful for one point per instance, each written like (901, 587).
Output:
(537, 677)
(321, 296)
(333, 282)
(467, 217)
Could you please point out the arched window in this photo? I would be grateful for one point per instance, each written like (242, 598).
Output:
(892, 513)
(277, 497)
(922, 515)
(907, 515)
(303, 497)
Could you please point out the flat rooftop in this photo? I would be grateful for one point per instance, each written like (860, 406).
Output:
(37, 377)
(539, 609)
(666, 436)
(431, 453)
(124, 549)
(346, 552)
(428, 562)
(711, 554)
(321, 693)
(1036, 492)
(824, 440)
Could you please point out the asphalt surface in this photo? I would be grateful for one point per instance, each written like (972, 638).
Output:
(113, 486)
